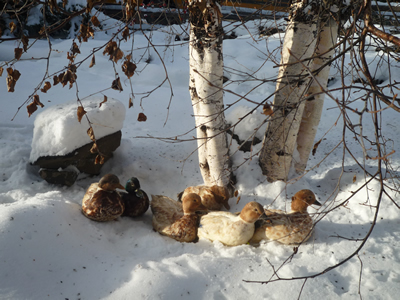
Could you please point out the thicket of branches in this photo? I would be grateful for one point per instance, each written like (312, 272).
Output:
(363, 26)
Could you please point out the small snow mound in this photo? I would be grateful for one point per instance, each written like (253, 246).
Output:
(57, 130)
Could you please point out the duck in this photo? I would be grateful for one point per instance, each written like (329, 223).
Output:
(101, 201)
(135, 200)
(229, 228)
(288, 228)
(177, 220)
(212, 197)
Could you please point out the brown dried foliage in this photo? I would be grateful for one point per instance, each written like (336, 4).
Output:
(80, 113)
(104, 101)
(116, 85)
(46, 87)
(32, 107)
(142, 117)
(12, 78)
(113, 51)
(128, 68)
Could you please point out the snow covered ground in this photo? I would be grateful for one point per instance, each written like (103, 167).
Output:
(49, 250)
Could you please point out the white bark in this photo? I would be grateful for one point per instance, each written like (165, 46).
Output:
(313, 107)
(293, 80)
(206, 66)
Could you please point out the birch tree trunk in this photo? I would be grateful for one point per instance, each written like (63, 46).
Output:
(293, 80)
(205, 86)
(313, 107)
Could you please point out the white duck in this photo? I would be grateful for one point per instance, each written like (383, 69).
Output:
(288, 228)
(228, 228)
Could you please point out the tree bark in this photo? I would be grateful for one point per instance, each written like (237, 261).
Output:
(205, 86)
(293, 80)
(315, 101)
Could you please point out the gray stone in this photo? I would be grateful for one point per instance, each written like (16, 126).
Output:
(80, 158)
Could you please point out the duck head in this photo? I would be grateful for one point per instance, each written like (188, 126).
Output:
(221, 194)
(110, 182)
(303, 199)
(251, 212)
(192, 203)
(133, 187)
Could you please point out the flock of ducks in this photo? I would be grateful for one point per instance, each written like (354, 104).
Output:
(197, 213)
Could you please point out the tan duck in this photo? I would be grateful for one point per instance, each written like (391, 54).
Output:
(135, 200)
(212, 197)
(228, 228)
(101, 201)
(288, 228)
(174, 219)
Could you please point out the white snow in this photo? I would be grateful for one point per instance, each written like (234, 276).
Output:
(49, 250)
(57, 130)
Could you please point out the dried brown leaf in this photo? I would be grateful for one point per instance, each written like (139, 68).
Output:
(104, 101)
(99, 159)
(94, 148)
(267, 110)
(12, 78)
(75, 49)
(56, 80)
(142, 117)
(130, 103)
(116, 85)
(128, 68)
(17, 53)
(92, 62)
(95, 21)
(25, 42)
(354, 178)
(12, 27)
(46, 87)
(238, 199)
(37, 100)
(32, 107)
(80, 113)
(314, 150)
(125, 33)
(91, 134)
(1, 71)
(236, 193)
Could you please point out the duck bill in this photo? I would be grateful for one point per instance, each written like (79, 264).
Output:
(317, 203)
(120, 186)
(202, 208)
(263, 217)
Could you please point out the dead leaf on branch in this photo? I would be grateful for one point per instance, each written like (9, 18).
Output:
(354, 178)
(12, 27)
(80, 113)
(113, 51)
(104, 101)
(75, 49)
(116, 85)
(267, 110)
(92, 62)
(314, 150)
(128, 68)
(125, 34)
(12, 78)
(25, 42)
(46, 87)
(1, 71)
(94, 148)
(17, 53)
(142, 117)
(99, 159)
(95, 21)
(32, 107)
(56, 80)
(91, 134)
(130, 103)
